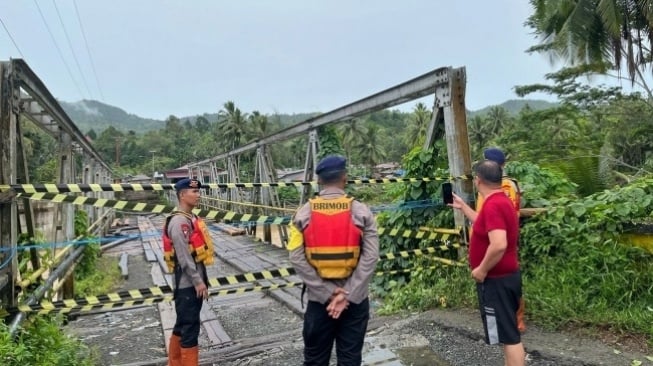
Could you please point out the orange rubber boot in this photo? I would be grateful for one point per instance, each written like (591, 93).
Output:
(190, 356)
(174, 351)
(520, 316)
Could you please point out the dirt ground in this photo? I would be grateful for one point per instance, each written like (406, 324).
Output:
(124, 336)
(270, 334)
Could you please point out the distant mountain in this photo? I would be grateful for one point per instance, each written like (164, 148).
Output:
(91, 114)
(513, 106)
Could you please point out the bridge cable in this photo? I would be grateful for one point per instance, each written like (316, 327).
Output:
(12, 38)
(56, 45)
(88, 50)
(72, 49)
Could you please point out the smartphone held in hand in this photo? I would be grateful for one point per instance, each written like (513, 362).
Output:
(447, 193)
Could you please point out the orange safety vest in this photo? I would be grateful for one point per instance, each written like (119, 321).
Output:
(200, 244)
(331, 240)
(511, 188)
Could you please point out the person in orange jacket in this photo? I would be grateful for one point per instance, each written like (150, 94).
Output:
(183, 230)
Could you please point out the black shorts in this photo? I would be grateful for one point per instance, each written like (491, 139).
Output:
(498, 300)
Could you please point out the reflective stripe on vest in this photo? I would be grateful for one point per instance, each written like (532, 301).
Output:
(331, 240)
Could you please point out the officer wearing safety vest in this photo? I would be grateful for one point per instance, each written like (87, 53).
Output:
(188, 249)
(334, 248)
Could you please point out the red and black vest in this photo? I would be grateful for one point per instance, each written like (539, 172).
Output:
(200, 243)
(331, 240)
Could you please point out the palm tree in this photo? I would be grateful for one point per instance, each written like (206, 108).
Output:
(603, 33)
(478, 132)
(259, 125)
(496, 118)
(370, 148)
(232, 124)
(419, 122)
(352, 133)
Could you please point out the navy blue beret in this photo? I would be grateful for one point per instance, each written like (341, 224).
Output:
(187, 183)
(330, 164)
(494, 154)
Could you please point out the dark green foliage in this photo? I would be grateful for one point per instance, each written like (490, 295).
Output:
(86, 265)
(41, 342)
(539, 185)
(288, 195)
(431, 288)
(329, 142)
(584, 171)
(422, 163)
(580, 270)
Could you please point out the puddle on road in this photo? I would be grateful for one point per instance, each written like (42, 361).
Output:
(419, 356)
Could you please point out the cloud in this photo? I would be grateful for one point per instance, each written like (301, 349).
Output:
(83, 107)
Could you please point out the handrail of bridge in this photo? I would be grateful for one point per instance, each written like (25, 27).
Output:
(57, 258)
(412, 89)
(37, 90)
(62, 269)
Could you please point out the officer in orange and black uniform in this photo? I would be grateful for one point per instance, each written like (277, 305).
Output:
(187, 250)
(334, 248)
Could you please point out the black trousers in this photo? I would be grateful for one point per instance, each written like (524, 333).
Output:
(187, 325)
(348, 331)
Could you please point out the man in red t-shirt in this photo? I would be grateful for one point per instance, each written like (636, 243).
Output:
(494, 263)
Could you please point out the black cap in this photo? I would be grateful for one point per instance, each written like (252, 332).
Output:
(331, 164)
(187, 183)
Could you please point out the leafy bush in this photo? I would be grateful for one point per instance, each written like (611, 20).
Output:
(418, 163)
(42, 343)
(93, 275)
(539, 186)
(431, 288)
(578, 269)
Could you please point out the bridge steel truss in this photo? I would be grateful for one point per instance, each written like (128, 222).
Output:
(448, 86)
(23, 96)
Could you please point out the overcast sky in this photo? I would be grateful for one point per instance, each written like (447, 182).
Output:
(154, 58)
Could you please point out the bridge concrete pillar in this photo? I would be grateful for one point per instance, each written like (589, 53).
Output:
(449, 117)
(8, 208)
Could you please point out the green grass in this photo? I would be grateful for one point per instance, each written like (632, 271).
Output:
(103, 278)
(608, 293)
(41, 342)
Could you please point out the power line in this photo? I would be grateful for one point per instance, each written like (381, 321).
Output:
(72, 50)
(88, 50)
(12, 38)
(79, 90)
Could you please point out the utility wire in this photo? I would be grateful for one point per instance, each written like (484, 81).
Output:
(79, 90)
(88, 51)
(12, 38)
(72, 50)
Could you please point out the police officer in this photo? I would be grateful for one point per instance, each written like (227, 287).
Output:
(334, 248)
(187, 250)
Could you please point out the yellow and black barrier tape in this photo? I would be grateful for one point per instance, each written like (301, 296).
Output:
(138, 295)
(441, 234)
(246, 204)
(121, 187)
(153, 208)
(417, 252)
(116, 305)
(432, 234)
(152, 295)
